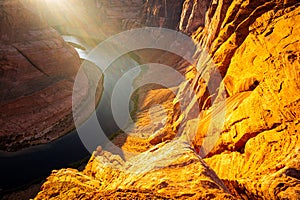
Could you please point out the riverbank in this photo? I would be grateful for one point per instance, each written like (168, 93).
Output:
(31, 163)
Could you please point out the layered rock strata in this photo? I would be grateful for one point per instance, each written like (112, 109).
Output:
(37, 74)
(255, 46)
(108, 176)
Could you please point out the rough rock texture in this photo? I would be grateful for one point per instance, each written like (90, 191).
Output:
(37, 70)
(255, 45)
(247, 126)
(172, 170)
(268, 168)
(162, 13)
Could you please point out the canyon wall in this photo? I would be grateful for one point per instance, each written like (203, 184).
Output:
(254, 48)
(37, 73)
(99, 19)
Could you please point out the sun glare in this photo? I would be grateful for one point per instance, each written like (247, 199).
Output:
(55, 1)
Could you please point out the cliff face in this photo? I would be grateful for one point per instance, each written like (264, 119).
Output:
(99, 19)
(37, 70)
(255, 47)
(162, 13)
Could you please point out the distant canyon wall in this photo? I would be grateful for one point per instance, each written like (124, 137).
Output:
(100, 19)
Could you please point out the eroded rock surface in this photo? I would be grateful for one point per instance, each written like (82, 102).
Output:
(170, 170)
(255, 45)
(37, 73)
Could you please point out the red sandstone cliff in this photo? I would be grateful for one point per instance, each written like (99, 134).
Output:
(37, 73)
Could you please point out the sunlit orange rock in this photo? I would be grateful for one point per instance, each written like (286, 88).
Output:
(169, 170)
(256, 48)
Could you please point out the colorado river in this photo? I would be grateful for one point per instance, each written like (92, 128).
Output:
(24, 166)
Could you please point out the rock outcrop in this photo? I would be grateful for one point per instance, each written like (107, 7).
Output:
(141, 177)
(37, 73)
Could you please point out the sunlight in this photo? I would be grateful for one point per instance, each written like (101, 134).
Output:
(57, 4)
(71, 17)
(69, 13)
(55, 1)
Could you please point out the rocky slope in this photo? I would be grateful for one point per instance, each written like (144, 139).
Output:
(107, 176)
(254, 46)
(37, 73)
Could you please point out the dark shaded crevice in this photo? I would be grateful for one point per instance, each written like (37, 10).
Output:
(184, 164)
(280, 87)
(269, 32)
(239, 190)
(185, 18)
(254, 85)
(294, 173)
(240, 145)
(240, 120)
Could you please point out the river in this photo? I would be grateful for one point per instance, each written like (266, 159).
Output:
(25, 166)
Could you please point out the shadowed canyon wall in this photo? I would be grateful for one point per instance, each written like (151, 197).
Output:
(37, 72)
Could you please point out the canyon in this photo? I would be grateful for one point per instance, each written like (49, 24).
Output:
(37, 73)
(236, 138)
